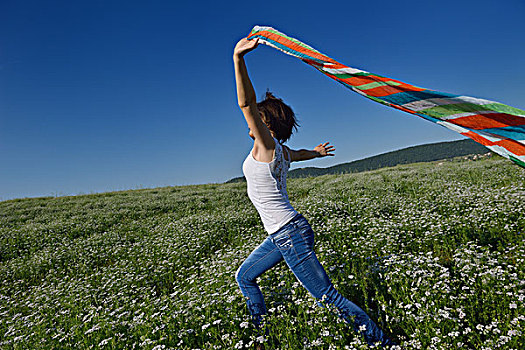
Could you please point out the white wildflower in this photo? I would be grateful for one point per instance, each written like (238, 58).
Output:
(105, 341)
(261, 339)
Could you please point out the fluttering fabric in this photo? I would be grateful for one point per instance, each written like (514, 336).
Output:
(499, 127)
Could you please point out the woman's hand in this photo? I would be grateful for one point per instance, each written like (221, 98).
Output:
(324, 150)
(244, 46)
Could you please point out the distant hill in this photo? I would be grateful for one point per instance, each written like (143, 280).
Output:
(421, 153)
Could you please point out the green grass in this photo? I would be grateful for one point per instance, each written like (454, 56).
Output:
(433, 253)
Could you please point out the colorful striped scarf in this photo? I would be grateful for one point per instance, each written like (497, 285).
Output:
(499, 127)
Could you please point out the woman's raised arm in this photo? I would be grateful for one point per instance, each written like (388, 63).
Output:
(247, 99)
(322, 150)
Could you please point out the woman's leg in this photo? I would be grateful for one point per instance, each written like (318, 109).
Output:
(264, 257)
(296, 243)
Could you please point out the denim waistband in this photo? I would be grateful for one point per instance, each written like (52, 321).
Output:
(286, 226)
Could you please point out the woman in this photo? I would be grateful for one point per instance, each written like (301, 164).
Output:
(291, 238)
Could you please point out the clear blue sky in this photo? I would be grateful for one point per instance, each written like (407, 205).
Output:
(109, 95)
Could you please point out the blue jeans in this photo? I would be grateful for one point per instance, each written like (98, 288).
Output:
(294, 243)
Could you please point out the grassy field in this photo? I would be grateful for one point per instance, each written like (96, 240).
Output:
(434, 253)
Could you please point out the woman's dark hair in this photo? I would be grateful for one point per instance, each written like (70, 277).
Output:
(278, 116)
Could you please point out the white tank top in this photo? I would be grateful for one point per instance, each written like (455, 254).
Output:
(267, 189)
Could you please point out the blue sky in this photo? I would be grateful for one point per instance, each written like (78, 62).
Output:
(110, 95)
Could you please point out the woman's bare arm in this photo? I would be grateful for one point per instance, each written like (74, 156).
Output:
(264, 143)
(322, 150)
